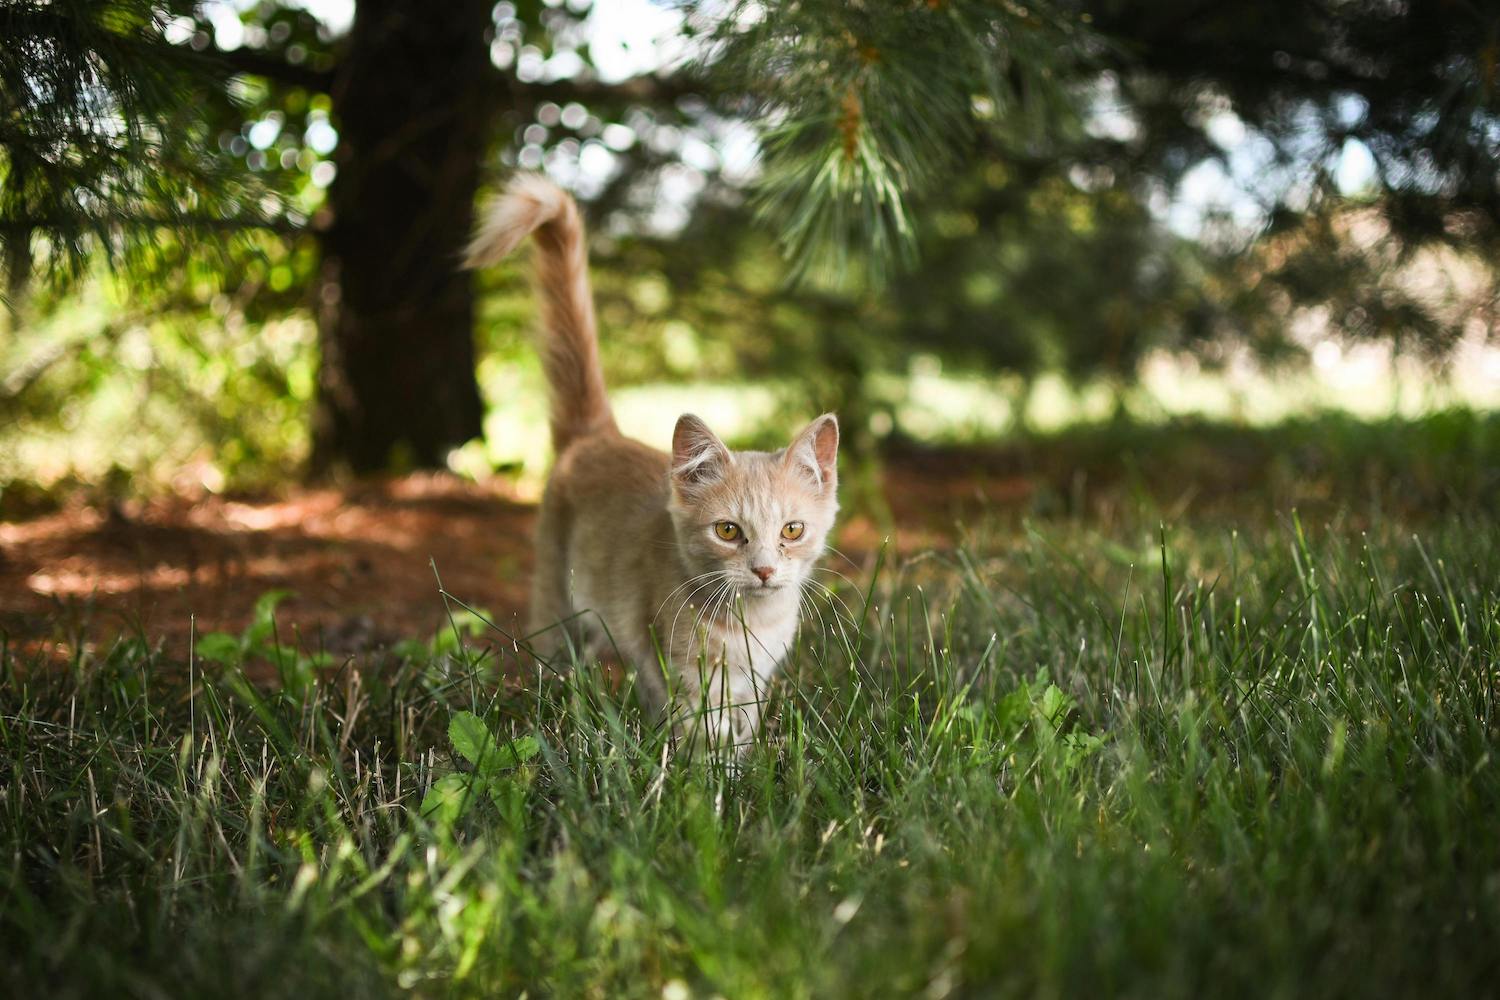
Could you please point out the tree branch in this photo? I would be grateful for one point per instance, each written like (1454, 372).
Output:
(205, 222)
(648, 89)
(258, 63)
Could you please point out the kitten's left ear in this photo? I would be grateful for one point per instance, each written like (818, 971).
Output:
(816, 451)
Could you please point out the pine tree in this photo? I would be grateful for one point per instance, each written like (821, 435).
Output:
(865, 107)
(113, 116)
(102, 139)
(122, 121)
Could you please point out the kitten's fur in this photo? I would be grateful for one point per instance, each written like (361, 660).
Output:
(627, 538)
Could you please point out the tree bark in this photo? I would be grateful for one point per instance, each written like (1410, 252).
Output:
(412, 100)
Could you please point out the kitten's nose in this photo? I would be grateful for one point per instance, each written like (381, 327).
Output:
(764, 572)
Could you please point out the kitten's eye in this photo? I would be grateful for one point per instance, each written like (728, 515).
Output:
(792, 530)
(727, 530)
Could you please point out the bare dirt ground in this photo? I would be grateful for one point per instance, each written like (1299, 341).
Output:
(362, 562)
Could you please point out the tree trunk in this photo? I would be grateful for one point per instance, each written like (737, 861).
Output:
(412, 103)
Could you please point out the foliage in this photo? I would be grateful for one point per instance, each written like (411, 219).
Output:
(1404, 258)
(453, 795)
(296, 670)
(124, 127)
(1238, 755)
(865, 106)
(1414, 87)
(1015, 159)
(186, 384)
(1024, 270)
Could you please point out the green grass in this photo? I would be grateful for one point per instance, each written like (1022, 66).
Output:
(1071, 758)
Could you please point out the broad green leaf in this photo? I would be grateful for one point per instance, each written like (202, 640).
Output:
(472, 740)
(447, 799)
(411, 649)
(220, 647)
(522, 748)
(474, 744)
(263, 620)
(1013, 711)
(1053, 705)
(297, 672)
(509, 794)
(1080, 747)
(466, 624)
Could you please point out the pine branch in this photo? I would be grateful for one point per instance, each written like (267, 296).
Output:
(102, 134)
(649, 89)
(146, 220)
(866, 106)
(272, 67)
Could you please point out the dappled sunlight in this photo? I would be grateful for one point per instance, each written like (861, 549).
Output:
(937, 404)
(347, 555)
(370, 550)
(360, 559)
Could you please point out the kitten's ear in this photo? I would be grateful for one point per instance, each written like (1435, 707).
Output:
(698, 456)
(816, 451)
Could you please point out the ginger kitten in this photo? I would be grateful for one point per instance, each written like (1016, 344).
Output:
(694, 561)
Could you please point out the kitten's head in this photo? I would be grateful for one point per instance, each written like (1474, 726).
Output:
(760, 518)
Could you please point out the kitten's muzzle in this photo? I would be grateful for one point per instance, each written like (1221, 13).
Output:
(762, 590)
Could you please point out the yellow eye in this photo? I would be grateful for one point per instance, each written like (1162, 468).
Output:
(727, 530)
(792, 530)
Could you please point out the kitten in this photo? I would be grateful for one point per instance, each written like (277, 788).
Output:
(693, 562)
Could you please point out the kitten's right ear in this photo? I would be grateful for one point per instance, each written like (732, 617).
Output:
(698, 456)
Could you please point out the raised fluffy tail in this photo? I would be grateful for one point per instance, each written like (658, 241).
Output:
(570, 347)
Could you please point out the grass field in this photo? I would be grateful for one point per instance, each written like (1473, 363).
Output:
(1160, 753)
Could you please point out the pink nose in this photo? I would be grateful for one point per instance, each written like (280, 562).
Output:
(764, 572)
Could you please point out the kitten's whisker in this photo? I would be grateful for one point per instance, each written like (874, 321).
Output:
(715, 577)
(750, 634)
(841, 576)
(805, 599)
(690, 580)
(829, 593)
(844, 619)
(698, 618)
(726, 605)
(688, 600)
(837, 632)
(699, 611)
(841, 555)
(713, 573)
(709, 611)
(707, 617)
(833, 596)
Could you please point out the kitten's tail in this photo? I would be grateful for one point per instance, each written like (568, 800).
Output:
(570, 348)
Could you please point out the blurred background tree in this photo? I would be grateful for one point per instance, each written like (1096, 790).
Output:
(1002, 186)
(228, 136)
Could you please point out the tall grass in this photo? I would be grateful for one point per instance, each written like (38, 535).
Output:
(1149, 760)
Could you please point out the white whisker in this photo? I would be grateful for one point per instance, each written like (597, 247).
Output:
(841, 555)
(708, 609)
(805, 599)
(841, 576)
(825, 591)
(715, 578)
(690, 580)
